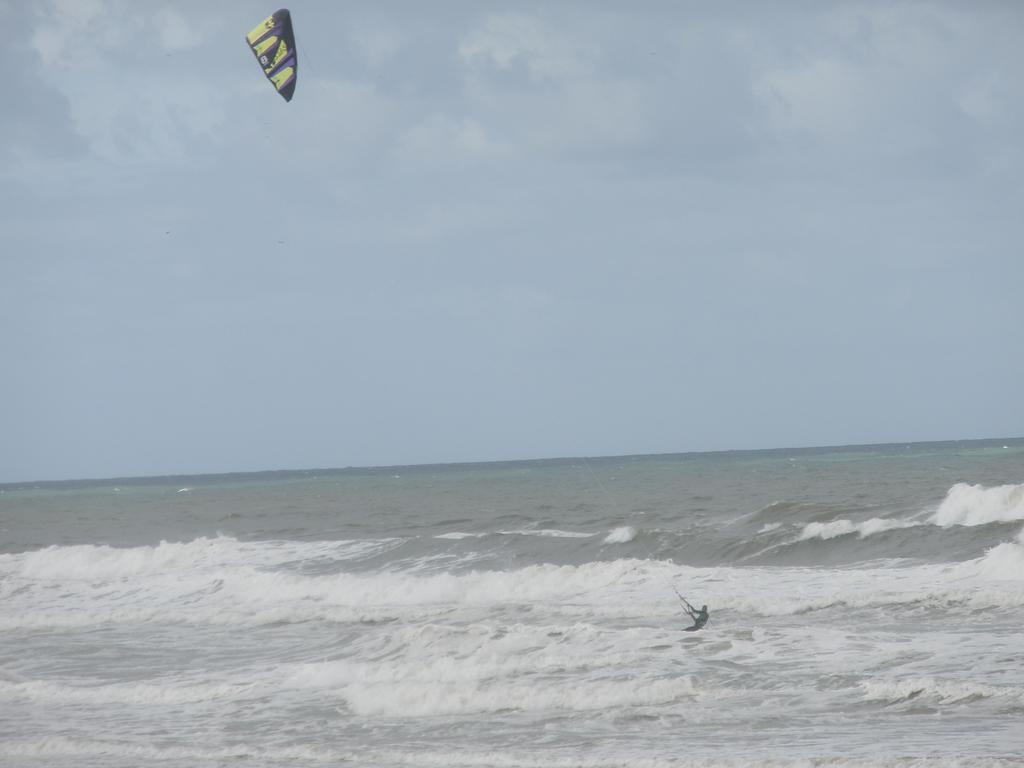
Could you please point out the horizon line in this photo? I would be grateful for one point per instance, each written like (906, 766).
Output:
(18, 484)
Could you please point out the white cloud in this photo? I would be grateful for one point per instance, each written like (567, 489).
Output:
(607, 111)
(902, 38)
(66, 28)
(569, 103)
(148, 120)
(337, 123)
(892, 81)
(442, 141)
(376, 42)
(827, 99)
(509, 39)
(985, 98)
(79, 32)
(174, 32)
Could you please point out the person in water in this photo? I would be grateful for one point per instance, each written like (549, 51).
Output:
(700, 618)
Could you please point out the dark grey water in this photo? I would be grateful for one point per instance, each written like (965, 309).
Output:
(866, 605)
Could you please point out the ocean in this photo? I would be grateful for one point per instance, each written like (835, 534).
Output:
(866, 609)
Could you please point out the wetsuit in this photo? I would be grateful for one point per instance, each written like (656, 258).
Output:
(700, 618)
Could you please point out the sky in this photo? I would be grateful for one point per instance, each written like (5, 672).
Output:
(505, 230)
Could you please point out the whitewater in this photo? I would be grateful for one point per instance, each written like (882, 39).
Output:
(866, 604)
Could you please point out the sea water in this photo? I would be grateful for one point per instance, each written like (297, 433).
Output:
(867, 608)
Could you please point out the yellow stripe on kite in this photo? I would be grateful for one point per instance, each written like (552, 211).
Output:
(260, 30)
(280, 78)
(282, 51)
(265, 45)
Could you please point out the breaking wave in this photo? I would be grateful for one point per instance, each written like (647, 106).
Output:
(846, 527)
(932, 691)
(188, 583)
(977, 505)
(621, 535)
(77, 750)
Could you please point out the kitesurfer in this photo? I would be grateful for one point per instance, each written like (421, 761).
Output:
(700, 618)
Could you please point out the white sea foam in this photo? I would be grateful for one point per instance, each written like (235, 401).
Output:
(101, 585)
(58, 747)
(478, 654)
(863, 529)
(977, 505)
(204, 582)
(126, 693)
(427, 699)
(549, 532)
(1004, 561)
(621, 535)
(545, 758)
(102, 562)
(933, 691)
(553, 533)
(436, 669)
(964, 505)
(54, 747)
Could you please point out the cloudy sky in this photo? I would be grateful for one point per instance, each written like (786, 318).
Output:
(489, 231)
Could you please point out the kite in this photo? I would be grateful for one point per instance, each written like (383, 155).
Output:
(273, 44)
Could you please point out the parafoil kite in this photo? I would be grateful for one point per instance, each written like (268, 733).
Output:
(273, 44)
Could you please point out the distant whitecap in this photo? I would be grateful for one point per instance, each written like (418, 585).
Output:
(621, 535)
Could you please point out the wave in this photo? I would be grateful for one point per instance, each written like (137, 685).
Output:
(792, 512)
(965, 509)
(783, 533)
(478, 653)
(100, 562)
(440, 698)
(1005, 561)
(846, 527)
(977, 505)
(128, 693)
(847, 542)
(143, 585)
(622, 535)
(224, 582)
(932, 691)
(964, 505)
(496, 759)
(58, 747)
(548, 532)
(484, 672)
(54, 747)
